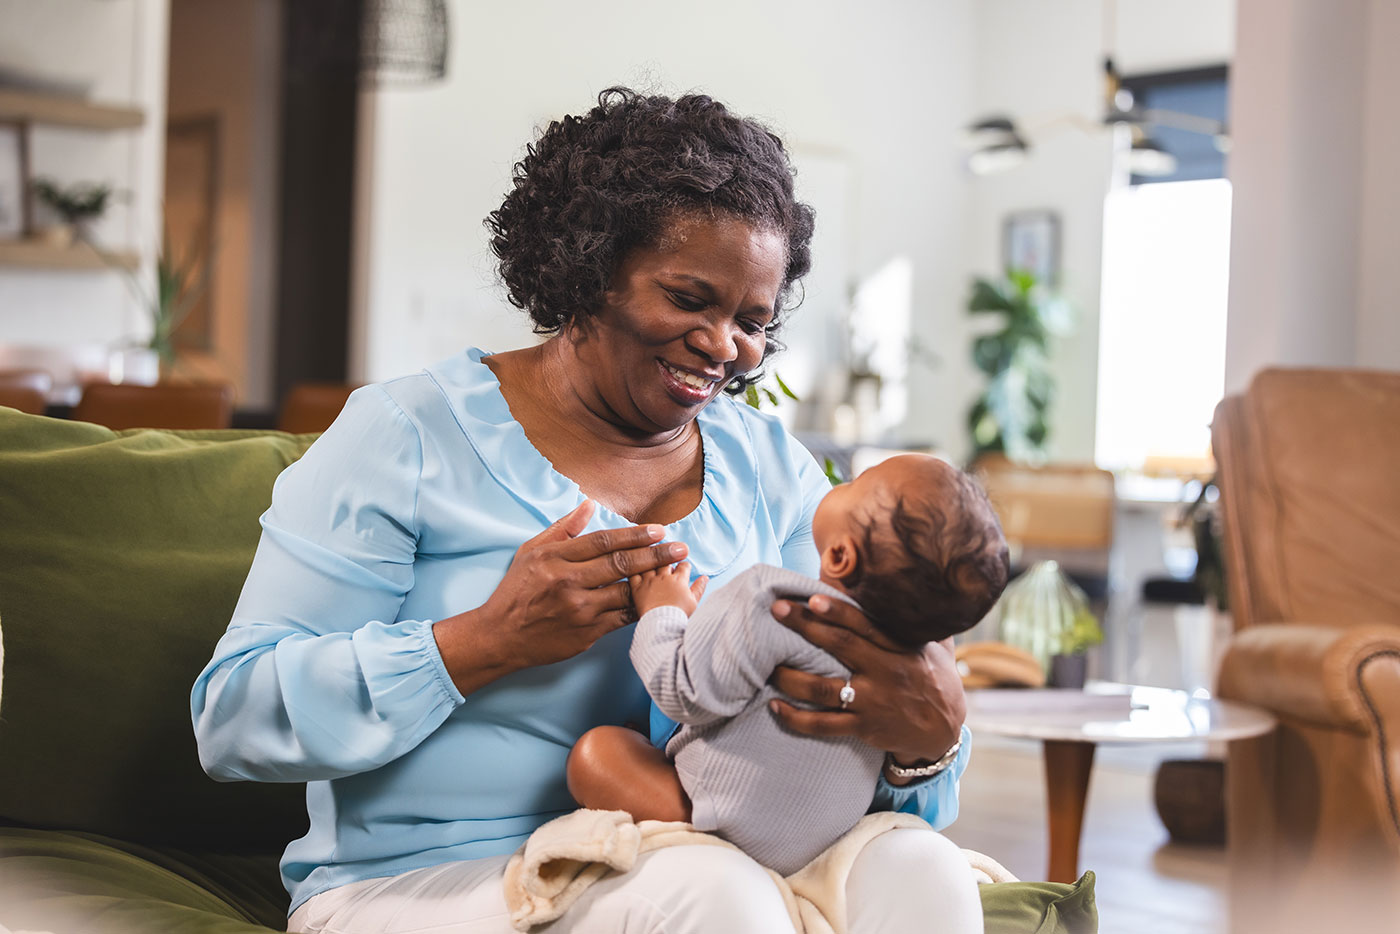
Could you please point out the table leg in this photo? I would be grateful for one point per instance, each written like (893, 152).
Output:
(1067, 766)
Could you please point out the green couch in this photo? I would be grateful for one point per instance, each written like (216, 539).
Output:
(121, 558)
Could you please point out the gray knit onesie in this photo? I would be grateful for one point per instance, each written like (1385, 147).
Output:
(781, 797)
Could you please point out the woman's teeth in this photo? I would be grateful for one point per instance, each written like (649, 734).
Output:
(690, 379)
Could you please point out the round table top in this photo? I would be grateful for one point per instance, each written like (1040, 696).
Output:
(1106, 712)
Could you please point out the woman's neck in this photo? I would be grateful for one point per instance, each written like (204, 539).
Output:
(550, 388)
(646, 477)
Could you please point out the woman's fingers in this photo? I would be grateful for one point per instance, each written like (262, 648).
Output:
(840, 629)
(606, 541)
(627, 563)
(565, 527)
(807, 687)
(616, 619)
(815, 722)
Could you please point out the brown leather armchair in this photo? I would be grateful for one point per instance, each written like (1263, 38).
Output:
(1310, 482)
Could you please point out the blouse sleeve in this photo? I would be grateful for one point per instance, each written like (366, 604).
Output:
(316, 677)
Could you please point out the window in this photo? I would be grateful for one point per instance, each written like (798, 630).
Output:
(1166, 263)
(1166, 267)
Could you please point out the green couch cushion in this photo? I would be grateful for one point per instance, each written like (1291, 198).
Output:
(1040, 907)
(86, 884)
(121, 558)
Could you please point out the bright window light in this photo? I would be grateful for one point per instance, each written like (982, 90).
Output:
(1166, 264)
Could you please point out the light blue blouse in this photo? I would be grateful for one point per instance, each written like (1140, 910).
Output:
(406, 511)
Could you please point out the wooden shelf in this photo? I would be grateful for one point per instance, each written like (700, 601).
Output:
(28, 107)
(35, 254)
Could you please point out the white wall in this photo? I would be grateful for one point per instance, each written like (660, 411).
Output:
(120, 46)
(1378, 314)
(1038, 60)
(1317, 211)
(882, 86)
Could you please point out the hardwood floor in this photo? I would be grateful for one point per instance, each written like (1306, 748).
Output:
(1144, 883)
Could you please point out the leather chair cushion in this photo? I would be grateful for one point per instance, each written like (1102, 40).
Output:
(1322, 521)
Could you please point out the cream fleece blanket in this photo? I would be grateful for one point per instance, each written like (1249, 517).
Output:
(570, 853)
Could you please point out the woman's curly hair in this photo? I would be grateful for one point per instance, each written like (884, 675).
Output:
(592, 188)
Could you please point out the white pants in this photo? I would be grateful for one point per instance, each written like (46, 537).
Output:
(904, 881)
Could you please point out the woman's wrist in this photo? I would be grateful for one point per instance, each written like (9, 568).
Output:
(898, 772)
(474, 653)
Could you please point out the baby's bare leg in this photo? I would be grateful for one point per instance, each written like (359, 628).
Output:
(612, 768)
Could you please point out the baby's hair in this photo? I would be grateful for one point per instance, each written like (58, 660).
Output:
(934, 566)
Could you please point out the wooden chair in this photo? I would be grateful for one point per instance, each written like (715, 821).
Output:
(172, 405)
(311, 407)
(1056, 506)
(26, 390)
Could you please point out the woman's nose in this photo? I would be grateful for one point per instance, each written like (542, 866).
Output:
(717, 341)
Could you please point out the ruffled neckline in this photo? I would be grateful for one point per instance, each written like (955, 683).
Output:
(716, 530)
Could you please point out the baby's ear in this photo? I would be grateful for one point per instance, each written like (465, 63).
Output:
(841, 559)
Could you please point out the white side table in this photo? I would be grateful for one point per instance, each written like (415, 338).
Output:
(1069, 737)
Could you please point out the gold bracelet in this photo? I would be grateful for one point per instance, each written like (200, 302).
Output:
(923, 771)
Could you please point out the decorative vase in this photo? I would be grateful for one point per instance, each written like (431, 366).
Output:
(1044, 613)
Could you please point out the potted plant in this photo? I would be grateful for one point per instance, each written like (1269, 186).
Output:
(1044, 613)
(1011, 416)
(179, 285)
(76, 205)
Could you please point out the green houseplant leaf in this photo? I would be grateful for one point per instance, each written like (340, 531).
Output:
(1012, 414)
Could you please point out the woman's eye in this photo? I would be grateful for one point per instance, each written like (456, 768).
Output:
(751, 326)
(686, 302)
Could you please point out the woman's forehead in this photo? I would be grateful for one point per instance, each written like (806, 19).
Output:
(695, 245)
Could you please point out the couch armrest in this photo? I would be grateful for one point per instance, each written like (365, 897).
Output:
(1342, 677)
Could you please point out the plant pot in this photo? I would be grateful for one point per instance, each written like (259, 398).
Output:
(58, 236)
(1068, 671)
(137, 365)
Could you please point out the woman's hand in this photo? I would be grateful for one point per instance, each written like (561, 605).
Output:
(562, 593)
(909, 703)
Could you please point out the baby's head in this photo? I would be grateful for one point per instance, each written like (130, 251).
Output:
(916, 543)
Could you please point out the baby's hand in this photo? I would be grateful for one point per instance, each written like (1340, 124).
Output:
(669, 586)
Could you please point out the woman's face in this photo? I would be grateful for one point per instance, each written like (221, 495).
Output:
(684, 318)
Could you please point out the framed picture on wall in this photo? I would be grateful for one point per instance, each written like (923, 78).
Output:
(1031, 243)
(14, 183)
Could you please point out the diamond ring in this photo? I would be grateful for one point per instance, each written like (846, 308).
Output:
(847, 695)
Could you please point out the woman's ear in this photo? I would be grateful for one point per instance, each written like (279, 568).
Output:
(841, 559)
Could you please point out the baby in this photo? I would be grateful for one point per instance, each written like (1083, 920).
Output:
(913, 542)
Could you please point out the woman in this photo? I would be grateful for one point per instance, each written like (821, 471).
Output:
(437, 608)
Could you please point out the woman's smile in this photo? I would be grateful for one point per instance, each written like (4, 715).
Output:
(686, 386)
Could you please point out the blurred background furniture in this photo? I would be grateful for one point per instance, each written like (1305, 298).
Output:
(1071, 724)
(1056, 512)
(26, 390)
(1060, 512)
(169, 405)
(311, 407)
(1309, 461)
